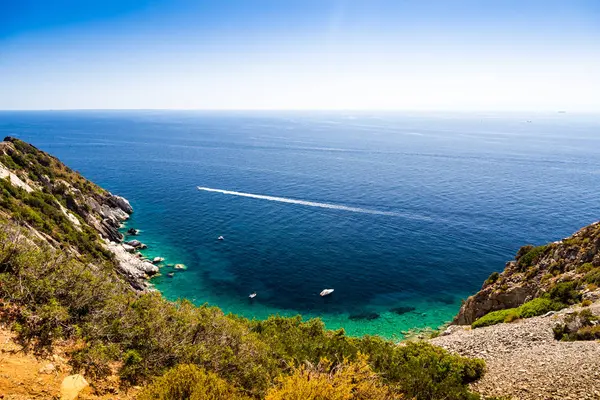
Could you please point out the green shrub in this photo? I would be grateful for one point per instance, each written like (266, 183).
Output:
(523, 250)
(9, 162)
(492, 278)
(511, 317)
(531, 256)
(30, 207)
(348, 380)
(546, 277)
(593, 276)
(565, 292)
(530, 309)
(188, 382)
(585, 268)
(537, 307)
(587, 333)
(531, 273)
(492, 318)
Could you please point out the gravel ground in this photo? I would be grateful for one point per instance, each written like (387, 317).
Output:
(524, 360)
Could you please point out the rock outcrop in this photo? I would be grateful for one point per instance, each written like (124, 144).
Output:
(135, 270)
(535, 271)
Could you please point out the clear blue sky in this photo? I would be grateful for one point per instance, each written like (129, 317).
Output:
(309, 54)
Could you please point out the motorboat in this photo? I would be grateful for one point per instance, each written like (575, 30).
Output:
(326, 292)
(252, 295)
(220, 238)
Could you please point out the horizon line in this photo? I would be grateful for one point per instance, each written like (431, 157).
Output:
(417, 110)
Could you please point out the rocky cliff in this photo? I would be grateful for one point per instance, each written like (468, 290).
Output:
(67, 210)
(538, 270)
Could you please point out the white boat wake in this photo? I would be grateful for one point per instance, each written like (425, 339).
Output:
(313, 203)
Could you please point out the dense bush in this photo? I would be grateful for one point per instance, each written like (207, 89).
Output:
(565, 292)
(593, 276)
(493, 318)
(585, 268)
(537, 307)
(531, 256)
(492, 278)
(344, 381)
(188, 382)
(55, 296)
(530, 309)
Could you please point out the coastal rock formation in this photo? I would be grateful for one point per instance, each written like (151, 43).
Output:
(491, 298)
(121, 203)
(535, 271)
(50, 185)
(134, 269)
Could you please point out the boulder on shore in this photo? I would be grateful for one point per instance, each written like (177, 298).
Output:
(157, 260)
(136, 244)
(149, 268)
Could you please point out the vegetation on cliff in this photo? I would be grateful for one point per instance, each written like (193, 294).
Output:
(540, 279)
(56, 287)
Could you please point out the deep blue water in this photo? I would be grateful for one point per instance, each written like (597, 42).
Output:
(431, 204)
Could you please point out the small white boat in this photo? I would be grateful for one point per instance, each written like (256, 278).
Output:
(326, 292)
(253, 295)
(220, 238)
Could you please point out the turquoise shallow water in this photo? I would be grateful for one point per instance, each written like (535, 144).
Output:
(403, 215)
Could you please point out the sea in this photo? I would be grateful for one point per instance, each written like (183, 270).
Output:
(404, 215)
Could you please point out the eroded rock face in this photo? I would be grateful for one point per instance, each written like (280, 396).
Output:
(107, 216)
(122, 203)
(492, 299)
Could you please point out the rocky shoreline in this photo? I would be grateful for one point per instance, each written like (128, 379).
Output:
(136, 269)
(114, 211)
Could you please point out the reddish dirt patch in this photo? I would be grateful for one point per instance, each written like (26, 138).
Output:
(24, 376)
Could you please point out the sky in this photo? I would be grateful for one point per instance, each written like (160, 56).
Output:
(464, 55)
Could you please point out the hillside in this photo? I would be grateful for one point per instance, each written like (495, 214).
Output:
(567, 271)
(69, 286)
(66, 210)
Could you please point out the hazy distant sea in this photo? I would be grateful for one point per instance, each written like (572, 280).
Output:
(403, 215)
